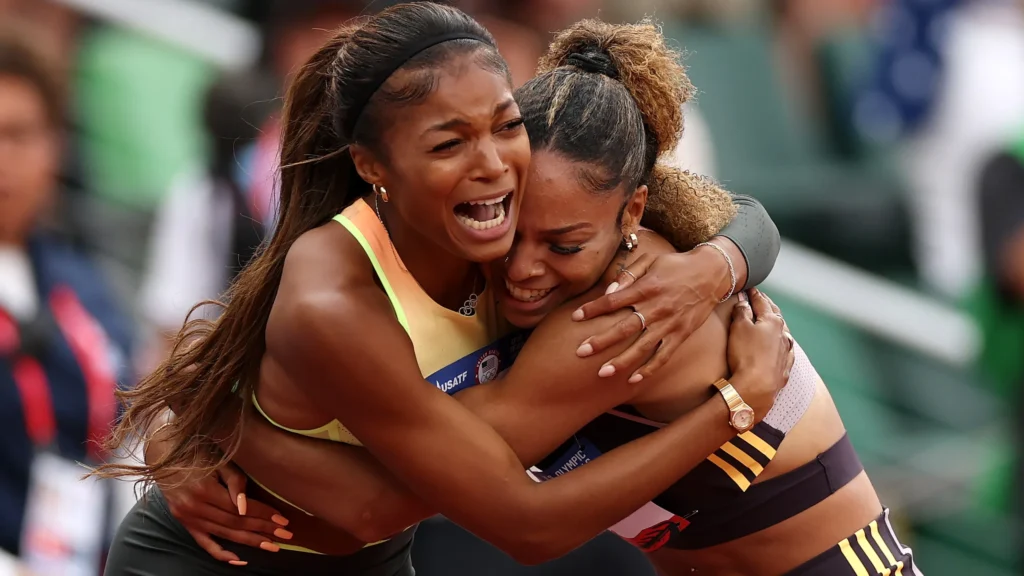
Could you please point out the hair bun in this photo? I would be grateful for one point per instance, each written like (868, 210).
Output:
(596, 62)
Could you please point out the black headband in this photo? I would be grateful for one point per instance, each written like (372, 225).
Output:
(381, 76)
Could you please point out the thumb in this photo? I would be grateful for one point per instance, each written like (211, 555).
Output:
(235, 480)
(741, 311)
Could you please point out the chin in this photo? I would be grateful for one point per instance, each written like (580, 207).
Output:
(482, 248)
(522, 321)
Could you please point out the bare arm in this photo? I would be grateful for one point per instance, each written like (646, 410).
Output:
(448, 456)
(531, 417)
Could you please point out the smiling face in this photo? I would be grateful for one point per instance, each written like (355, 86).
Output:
(453, 164)
(566, 238)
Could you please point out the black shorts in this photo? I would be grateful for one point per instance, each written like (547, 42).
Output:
(150, 542)
(873, 550)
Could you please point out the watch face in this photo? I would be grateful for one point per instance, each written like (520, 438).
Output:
(743, 418)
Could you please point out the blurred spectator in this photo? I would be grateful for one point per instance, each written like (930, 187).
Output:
(978, 106)
(63, 341)
(208, 226)
(1001, 301)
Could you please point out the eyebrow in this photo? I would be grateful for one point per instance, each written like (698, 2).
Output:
(566, 229)
(459, 122)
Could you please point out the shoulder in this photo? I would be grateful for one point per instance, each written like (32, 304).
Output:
(326, 277)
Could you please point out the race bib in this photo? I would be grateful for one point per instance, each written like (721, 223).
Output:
(64, 519)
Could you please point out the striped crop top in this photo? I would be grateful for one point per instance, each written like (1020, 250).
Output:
(718, 500)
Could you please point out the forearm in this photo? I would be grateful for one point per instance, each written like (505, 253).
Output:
(312, 473)
(563, 513)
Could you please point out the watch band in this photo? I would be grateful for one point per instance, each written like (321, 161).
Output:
(732, 397)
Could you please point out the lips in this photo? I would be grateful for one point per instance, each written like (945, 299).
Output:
(525, 295)
(483, 214)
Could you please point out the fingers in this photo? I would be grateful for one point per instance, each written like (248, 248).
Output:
(234, 479)
(621, 330)
(213, 549)
(760, 304)
(635, 354)
(611, 302)
(238, 536)
(741, 312)
(260, 510)
(790, 360)
(631, 273)
(241, 523)
(661, 356)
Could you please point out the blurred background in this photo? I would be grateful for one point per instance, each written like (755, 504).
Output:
(885, 137)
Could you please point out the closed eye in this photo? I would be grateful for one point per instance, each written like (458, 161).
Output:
(445, 146)
(566, 250)
(513, 125)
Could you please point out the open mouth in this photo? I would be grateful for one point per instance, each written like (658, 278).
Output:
(484, 214)
(524, 295)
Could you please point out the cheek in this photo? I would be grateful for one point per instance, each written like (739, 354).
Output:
(583, 270)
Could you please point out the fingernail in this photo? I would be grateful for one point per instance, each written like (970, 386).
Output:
(742, 297)
(584, 350)
(243, 504)
(283, 534)
(636, 378)
(237, 562)
(270, 547)
(606, 371)
(612, 288)
(280, 520)
(578, 314)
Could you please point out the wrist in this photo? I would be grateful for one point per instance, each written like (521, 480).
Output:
(739, 259)
(748, 385)
(724, 282)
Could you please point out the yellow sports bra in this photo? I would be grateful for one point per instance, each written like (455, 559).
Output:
(453, 351)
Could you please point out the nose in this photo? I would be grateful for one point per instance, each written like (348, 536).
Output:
(523, 263)
(490, 165)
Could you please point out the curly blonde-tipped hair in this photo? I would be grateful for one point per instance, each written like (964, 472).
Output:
(611, 95)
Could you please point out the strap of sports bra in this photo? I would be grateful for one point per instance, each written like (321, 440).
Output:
(377, 267)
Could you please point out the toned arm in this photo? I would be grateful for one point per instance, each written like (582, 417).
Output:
(449, 457)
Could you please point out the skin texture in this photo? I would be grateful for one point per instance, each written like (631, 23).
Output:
(544, 259)
(520, 409)
(539, 260)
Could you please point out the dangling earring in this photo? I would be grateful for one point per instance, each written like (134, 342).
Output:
(382, 191)
(632, 242)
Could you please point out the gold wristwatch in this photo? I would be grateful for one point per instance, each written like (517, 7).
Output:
(741, 415)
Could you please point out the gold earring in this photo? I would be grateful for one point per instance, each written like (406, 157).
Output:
(632, 242)
(382, 191)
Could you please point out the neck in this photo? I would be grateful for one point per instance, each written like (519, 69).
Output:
(446, 278)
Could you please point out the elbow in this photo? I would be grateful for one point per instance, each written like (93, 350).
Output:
(371, 530)
(531, 550)
(377, 521)
(536, 542)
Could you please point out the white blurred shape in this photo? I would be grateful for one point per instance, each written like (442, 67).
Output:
(218, 36)
(875, 305)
